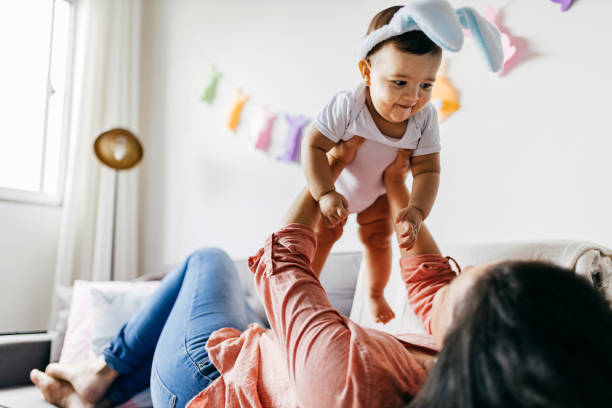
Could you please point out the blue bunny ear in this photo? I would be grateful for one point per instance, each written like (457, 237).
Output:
(486, 36)
(436, 18)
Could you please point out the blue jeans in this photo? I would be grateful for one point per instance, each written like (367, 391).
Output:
(163, 344)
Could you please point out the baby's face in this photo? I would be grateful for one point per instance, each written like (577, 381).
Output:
(401, 83)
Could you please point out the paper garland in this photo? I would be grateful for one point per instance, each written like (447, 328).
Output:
(262, 124)
(565, 4)
(445, 97)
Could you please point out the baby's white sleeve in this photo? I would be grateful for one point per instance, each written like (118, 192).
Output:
(333, 120)
(430, 133)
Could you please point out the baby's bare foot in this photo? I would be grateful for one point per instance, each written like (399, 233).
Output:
(90, 379)
(57, 392)
(380, 309)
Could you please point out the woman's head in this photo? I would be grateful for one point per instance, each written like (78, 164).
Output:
(400, 71)
(524, 334)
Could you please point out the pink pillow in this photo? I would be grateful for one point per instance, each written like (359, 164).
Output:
(78, 343)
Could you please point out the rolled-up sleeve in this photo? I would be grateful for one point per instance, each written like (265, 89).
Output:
(423, 276)
(312, 334)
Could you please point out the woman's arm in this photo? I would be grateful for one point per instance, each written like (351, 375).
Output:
(399, 198)
(312, 335)
(424, 285)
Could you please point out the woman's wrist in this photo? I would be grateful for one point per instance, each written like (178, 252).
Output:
(420, 214)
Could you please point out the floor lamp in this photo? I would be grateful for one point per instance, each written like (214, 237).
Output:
(118, 149)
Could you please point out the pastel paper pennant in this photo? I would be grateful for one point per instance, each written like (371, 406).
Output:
(211, 89)
(445, 98)
(294, 136)
(238, 100)
(263, 128)
(565, 4)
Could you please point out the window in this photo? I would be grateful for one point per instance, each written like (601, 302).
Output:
(35, 39)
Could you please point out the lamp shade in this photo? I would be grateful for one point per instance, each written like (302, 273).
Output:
(118, 148)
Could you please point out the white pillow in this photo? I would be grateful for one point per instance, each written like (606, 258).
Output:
(112, 307)
(83, 328)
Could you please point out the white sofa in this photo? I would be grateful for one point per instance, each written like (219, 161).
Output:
(344, 281)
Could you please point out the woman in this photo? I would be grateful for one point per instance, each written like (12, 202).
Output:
(512, 334)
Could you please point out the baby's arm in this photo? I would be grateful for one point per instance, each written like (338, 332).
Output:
(319, 177)
(426, 180)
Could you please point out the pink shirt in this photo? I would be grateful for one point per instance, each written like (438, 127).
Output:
(313, 356)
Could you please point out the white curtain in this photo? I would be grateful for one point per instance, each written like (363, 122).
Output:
(105, 95)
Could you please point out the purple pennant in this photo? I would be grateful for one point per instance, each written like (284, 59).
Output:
(294, 136)
(265, 134)
(564, 3)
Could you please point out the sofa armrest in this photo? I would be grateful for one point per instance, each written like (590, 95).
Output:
(19, 354)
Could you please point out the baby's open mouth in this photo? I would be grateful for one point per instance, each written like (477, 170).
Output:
(406, 107)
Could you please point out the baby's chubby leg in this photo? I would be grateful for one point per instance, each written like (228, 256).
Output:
(326, 238)
(375, 229)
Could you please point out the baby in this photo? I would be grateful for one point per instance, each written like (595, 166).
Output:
(390, 109)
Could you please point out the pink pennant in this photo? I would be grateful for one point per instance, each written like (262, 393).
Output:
(509, 48)
(294, 136)
(565, 4)
(264, 131)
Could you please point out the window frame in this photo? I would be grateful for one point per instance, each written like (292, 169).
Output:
(40, 197)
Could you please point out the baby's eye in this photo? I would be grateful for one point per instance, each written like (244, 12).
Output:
(399, 83)
(426, 86)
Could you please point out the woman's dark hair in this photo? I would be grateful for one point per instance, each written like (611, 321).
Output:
(412, 42)
(527, 334)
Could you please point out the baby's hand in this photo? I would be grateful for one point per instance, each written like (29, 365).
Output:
(410, 218)
(333, 206)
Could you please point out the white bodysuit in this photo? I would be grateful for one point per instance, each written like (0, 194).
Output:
(347, 115)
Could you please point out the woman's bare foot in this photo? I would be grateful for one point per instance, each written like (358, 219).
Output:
(380, 309)
(90, 379)
(57, 392)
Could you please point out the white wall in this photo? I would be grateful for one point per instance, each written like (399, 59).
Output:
(526, 157)
(28, 250)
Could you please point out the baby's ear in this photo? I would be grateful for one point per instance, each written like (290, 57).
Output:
(364, 68)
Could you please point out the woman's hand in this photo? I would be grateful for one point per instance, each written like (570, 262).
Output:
(397, 171)
(345, 152)
(410, 220)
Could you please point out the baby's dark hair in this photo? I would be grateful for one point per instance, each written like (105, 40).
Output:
(412, 42)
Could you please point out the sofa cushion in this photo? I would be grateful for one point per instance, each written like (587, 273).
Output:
(589, 260)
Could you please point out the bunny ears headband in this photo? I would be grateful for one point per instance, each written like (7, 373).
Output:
(444, 26)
